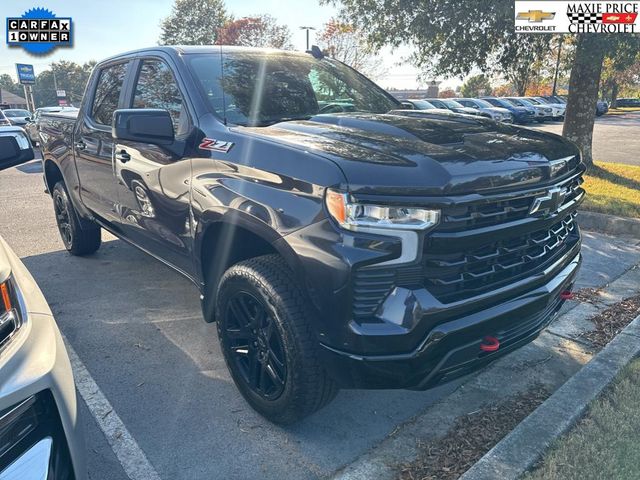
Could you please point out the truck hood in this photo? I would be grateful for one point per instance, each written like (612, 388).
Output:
(414, 153)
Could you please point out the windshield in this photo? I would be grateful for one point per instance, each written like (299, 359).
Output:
(422, 105)
(520, 102)
(452, 104)
(483, 103)
(499, 102)
(259, 89)
(16, 113)
(534, 101)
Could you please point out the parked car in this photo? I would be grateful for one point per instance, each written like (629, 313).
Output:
(417, 104)
(4, 121)
(40, 433)
(17, 116)
(32, 122)
(498, 114)
(522, 115)
(628, 102)
(557, 109)
(380, 248)
(602, 107)
(543, 113)
(452, 105)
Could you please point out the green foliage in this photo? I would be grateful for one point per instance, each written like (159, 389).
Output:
(69, 76)
(194, 22)
(476, 86)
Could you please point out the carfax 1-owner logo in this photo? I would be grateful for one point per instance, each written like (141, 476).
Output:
(39, 31)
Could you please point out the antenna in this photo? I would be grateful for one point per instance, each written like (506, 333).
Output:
(224, 100)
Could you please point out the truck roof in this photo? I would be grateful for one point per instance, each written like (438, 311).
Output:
(203, 49)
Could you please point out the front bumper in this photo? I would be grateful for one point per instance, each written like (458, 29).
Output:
(35, 371)
(452, 349)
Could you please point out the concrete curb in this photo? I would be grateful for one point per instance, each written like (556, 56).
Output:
(609, 224)
(525, 445)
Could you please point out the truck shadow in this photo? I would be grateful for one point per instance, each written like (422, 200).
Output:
(138, 328)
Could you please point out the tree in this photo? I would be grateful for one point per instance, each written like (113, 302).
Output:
(451, 38)
(346, 43)
(476, 86)
(521, 60)
(618, 73)
(257, 31)
(7, 84)
(193, 22)
(69, 76)
(447, 93)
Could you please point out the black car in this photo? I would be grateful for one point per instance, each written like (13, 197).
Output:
(338, 240)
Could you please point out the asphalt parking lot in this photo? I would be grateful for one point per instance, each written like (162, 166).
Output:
(616, 138)
(137, 329)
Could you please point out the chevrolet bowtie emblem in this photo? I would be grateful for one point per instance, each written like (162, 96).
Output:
(535, 16)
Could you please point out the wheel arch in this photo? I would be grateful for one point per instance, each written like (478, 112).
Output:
(224, 240)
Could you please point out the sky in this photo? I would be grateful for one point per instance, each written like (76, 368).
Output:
(108, 27)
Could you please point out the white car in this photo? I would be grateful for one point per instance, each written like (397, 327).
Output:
(558, 109)
(40, 435)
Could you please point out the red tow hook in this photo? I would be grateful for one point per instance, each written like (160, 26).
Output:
(490, 344)
(566, 295)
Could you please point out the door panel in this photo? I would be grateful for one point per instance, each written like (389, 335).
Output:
(153, 181)
(93, 144)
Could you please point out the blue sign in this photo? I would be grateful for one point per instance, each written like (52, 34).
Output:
(39, 31)
(26, 75)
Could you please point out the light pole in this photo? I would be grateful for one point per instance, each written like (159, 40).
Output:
(307, 29)
(555, 76)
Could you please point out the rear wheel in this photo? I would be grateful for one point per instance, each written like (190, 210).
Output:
(267, 341)
(79, 237)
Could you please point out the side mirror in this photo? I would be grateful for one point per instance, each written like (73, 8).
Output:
(15, 148)
(28, 119)
(146, 125)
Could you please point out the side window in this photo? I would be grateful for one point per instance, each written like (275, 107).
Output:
(108, 89)
(157, 88)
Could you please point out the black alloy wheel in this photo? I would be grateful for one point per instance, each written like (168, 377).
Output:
(63, 219)
(256, 343)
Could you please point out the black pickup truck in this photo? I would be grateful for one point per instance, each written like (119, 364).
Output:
(337, 240)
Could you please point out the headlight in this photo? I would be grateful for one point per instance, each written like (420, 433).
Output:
(10, 313)
(356, 216)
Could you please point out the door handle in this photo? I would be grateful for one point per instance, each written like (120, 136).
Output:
(80, 145)
(123, 156)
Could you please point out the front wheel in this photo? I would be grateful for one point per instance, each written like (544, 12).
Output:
(79, 238)
(268, 343)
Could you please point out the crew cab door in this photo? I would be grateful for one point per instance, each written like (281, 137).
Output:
(153, 180)
(93, 141)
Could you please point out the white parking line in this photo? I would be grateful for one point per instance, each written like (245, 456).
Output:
(131, 457)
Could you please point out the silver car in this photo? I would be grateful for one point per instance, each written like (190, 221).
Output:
(17, 116)
(498, 114)
(40, 435)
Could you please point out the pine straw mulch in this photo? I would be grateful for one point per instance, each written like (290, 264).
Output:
(476, 433)
(471, 437)
(612, 320)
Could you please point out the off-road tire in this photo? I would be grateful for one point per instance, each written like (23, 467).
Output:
(80, 237)
(307, 386)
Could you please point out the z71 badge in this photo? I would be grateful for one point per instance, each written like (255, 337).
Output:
(215, 145)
